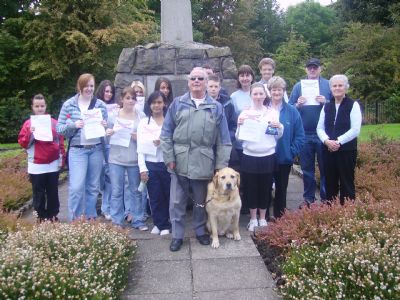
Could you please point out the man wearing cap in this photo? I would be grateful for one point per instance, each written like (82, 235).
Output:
(310, 115)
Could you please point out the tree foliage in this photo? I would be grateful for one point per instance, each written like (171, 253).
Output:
(227, 23)
(368, 11)
(370, 56)
(315, 23)
(48, 43)
(290, 58)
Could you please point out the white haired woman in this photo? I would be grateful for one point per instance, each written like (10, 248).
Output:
(338, 128)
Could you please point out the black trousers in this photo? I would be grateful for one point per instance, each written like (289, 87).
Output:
(257, 189)
(45, 194)
(158, 188)
(281, 177)
(339, 172)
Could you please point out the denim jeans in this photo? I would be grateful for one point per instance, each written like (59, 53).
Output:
(312, 147)
(84, 181)
(130, 196)
(105, 186)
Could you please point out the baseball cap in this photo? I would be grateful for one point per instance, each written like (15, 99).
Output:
(313, 62)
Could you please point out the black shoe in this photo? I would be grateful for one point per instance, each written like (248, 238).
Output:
(175, 245)
(203, 239)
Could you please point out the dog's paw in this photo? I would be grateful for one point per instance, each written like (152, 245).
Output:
(215, 243)
(229, 235)
(237, 237)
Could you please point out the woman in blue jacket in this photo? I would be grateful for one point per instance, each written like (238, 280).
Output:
(289, 145)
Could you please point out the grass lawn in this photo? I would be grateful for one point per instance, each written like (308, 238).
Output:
(389, 130)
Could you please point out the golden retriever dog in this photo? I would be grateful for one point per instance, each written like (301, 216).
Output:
(223, 205)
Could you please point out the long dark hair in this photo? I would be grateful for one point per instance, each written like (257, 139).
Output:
(101, 89)
(168, 82)
(153, 96)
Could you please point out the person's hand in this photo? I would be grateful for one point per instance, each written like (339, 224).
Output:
(242, 118)
(275, 124)
(104, 123)
(172, 165)
(332, 145)
(144, 176)
(321, 99)
(156, 143)
(301, 101)
(79, 124)
(32, 129)
(109, 132)
(134, 136)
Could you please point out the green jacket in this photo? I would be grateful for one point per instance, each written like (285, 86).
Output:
(196, 139)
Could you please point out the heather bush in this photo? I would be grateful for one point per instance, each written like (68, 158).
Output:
(15, 188)
(60, 261)
(361, 265)
(350, 251)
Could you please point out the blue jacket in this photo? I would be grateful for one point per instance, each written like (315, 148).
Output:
(290, 144)
(310, 113)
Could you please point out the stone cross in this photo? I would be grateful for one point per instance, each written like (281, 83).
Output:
(176, 21)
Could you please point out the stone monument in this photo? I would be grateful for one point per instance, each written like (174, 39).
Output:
(175, 56)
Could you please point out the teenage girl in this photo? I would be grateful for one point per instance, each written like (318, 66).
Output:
(259, 159)
(106, 92)
(44, 162)
(125, 160)
(152, 167)
(164, 85)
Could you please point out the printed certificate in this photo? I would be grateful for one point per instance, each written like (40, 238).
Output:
(122, 132)
(92, 119)
(146, 136)
(251, 130)
(310, 90)
(42, 124)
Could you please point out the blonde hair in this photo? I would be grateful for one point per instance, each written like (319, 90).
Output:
(83, 81)
(276, 82)
(138, 83)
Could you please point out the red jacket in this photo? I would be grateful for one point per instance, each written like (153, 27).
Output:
(41, 152)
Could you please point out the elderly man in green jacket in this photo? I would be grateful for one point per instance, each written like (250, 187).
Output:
(195, 142)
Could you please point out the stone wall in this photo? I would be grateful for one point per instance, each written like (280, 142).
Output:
(147, 63)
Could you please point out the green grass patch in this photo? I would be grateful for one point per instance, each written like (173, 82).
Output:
(391, 131)
(11, 146)
(10, 153)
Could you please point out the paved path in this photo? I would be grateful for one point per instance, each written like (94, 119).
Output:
(234, 271)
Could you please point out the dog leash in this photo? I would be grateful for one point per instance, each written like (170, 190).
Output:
(190, 192)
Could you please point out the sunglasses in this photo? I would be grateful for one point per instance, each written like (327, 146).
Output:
(198, 78)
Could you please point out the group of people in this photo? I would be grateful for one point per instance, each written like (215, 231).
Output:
(174, 147)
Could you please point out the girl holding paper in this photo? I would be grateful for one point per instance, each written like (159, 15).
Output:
(259, 159)
(106, 92)
(85, 155)
(151, 162)
(123, 159)
(44, 161)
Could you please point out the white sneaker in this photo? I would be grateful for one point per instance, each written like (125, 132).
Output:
(262, 222)
(143, 227)
(107, 217)
(253, 223)
(155, 230)
(164, 232)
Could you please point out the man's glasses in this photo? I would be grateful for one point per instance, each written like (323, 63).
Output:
(312, 67)
(198, 78)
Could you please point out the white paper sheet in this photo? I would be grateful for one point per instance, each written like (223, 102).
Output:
(251, 130)
(140, 103)
(310, 90)
(92, 119)
(122, 132)
(147, 135)
(42, 124)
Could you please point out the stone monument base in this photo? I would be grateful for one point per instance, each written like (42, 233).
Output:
(173, 61)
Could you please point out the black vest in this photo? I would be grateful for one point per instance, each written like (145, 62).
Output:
(343, 123)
